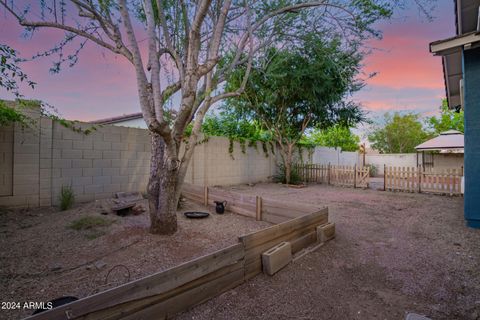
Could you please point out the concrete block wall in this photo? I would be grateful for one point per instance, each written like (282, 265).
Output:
(26, 165)
(112, 159)
(109, 160)
(212, 164)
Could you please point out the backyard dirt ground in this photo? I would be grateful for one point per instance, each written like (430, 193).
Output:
(43, 258)
(394, 253)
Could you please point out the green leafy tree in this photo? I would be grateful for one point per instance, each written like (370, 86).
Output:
(398, 133)
(228, 124)
(186, 48)
(10, 76)
(336, 136)
(448, 120)
(297, 88)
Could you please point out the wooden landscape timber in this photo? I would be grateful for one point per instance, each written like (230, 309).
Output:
(168, 292)
(300, 232)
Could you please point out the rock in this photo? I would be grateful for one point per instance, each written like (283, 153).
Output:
(474, 315)
(105, 208)
(100, 265)
(129, 196)
(415, 316)
(138, 209)
(55, 267)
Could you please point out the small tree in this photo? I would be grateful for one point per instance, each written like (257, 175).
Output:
(336, 136)
(448, 120)
(297, 88)
(399, 133)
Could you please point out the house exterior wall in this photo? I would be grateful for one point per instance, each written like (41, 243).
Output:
(471, 72)
(440, 161)
(448, 160)
(132, 123)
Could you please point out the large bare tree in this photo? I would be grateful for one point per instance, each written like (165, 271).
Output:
(191, 48)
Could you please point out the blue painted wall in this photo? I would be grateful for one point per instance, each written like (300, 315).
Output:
(471, 72)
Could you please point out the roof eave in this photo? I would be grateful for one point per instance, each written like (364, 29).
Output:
(118, 118)
(437, 148)
(447, 46)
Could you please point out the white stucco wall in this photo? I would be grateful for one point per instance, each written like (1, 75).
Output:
(334, 156)
(133, 123)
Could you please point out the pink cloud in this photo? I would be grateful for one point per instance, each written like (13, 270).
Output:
(103, 84)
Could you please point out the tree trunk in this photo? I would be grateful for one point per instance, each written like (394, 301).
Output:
(288, 172)
(163, 189)
(288, 164)
(286, 153)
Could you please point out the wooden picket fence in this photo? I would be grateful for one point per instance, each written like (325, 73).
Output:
(411, 179)
(347, 176)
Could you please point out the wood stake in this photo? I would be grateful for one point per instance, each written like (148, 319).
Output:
(205, 196)
(355, 176)
(258, 214)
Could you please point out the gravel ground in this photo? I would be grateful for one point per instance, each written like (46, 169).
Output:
(393, 253)
(41, 258)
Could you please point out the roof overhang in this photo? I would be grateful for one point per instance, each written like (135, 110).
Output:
(467, 21)
(117, 119)
(451, 50)
(439, 149)
(448, 140)
(467, 15)
(455, 44)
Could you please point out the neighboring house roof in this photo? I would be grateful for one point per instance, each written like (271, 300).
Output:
(117, 119)
(467, 22)
(451, 139)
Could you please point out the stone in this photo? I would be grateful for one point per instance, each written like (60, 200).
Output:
(276, 258)
(100, 265)
(415, 316)
(138, 209)
(55, 267)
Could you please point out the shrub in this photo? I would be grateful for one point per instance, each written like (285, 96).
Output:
(281, 177)
(372, 169)
(67, 198)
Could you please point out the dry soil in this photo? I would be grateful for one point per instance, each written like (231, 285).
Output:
(393, 253)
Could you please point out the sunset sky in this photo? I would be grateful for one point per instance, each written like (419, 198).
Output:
(101, 85)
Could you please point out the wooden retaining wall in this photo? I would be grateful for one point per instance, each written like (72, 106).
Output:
(300, 232)
(166, 293)
(263, 209)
